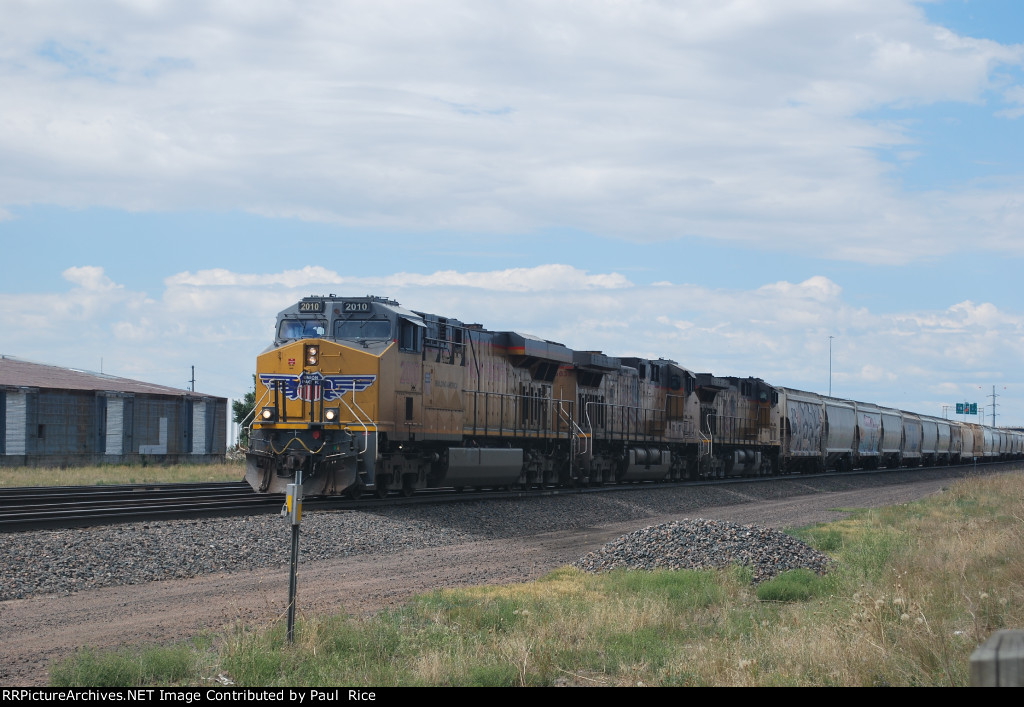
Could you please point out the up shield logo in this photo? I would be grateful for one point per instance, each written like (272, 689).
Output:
(315, 386)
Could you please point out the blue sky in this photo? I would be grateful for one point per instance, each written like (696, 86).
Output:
(723, 183)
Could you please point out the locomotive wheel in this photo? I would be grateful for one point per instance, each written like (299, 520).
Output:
(354, 492)
(380, 491)
(408, 488)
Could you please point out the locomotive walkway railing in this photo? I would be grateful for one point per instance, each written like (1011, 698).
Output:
(625, 422)
(514, 415)
(737, 430)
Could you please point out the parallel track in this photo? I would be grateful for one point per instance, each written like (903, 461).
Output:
(71, 506)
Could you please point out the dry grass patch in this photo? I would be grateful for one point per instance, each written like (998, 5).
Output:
(113, 475)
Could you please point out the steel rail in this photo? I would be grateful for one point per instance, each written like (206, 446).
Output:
(64, 507)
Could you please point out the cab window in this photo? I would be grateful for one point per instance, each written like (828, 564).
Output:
(302, 328)
(410, 335)
(362, 329)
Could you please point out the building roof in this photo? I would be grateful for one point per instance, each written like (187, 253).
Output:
(15, 373)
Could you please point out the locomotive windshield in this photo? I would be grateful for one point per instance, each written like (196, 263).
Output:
(302, 328)
(362, 329)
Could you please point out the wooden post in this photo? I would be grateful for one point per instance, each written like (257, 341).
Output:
(999, 662)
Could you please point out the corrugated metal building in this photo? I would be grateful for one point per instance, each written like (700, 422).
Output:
(52, 416)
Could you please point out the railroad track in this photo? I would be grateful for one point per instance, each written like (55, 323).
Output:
(69, 506)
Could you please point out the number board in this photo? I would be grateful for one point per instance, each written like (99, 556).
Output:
(317, 306)
(352, 307)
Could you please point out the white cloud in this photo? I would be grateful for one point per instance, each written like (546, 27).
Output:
(220, 320)
(816, 288)
(732, 120)
(536, 279)
(90, 278)
(876, 373)
(133, 331)
(1013, 94)
(982, 315)
(312, 275)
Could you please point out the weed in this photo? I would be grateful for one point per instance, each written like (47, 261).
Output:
(795, 585)
(126, 668)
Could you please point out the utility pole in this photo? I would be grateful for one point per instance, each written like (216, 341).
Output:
(994, 396)
(830, 365)
(193, 388)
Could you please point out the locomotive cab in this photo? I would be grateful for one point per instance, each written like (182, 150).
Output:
(317, 389)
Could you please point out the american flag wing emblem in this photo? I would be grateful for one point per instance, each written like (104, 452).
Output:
(289, 383)
(337, 386)
(314, 386)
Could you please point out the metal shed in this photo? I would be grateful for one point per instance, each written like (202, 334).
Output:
(52, 416)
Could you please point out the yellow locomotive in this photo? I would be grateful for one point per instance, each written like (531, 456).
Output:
(362, 394)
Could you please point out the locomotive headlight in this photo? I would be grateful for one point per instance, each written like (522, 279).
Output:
(268, 414)
(312, 354)
(331, 415)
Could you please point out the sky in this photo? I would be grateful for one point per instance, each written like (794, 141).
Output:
(827, 194)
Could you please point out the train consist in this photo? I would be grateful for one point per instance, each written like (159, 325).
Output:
(361, 394)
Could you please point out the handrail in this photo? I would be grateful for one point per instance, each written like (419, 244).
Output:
(518, 427)
(744, 430)
(655, 414)
(355, 415)
(253, 412)
(708, 439)
(579, 433)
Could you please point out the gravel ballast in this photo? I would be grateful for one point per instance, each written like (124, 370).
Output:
(703, 544)
(70, 560)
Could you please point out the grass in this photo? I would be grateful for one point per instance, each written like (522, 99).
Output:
(915, 589)
(114, 474)
(153, 665)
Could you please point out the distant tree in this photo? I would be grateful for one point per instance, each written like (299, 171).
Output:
(242, 411)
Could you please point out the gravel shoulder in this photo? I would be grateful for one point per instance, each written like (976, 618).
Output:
(353, 562)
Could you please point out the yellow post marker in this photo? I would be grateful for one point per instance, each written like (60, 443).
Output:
(293, 503)
(293, 509)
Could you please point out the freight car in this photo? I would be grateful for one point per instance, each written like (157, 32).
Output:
(362, 394)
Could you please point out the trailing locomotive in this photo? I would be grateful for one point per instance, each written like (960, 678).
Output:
(361, 394)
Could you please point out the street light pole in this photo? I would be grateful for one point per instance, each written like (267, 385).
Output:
(830, 364)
